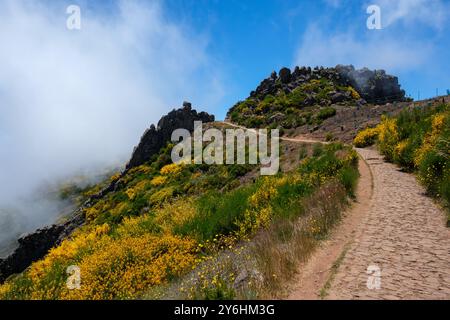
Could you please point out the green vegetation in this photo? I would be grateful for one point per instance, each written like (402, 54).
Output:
(164, 220)
(366, 137)
(418, 140)
(309, 103)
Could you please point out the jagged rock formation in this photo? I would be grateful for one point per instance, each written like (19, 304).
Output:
(155, 138)
(36, 245)
(373, 86)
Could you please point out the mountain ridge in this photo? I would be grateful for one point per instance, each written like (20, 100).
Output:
(35, 245)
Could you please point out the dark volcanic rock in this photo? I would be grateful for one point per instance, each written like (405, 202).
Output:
(374, 86)
(155, 138)
(37, 244)
(34, 246)
(338, 97)
(285, 75)
(31, 248)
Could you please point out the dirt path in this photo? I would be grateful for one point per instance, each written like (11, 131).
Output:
(298, 139)
(394, 230)
(314, 274)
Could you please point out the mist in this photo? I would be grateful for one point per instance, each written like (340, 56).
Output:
(76, 101)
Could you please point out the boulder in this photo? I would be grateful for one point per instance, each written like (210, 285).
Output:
(277, 117)
(338, 97)
(285, 75)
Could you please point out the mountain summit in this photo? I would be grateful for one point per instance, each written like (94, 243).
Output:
(307, 96)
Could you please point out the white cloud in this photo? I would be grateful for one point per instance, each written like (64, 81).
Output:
(327, 49)
(430, 12)
(334, 3)
(395, 48)
(81, 99)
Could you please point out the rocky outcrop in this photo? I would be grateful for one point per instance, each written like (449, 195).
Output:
(374, 86)
(34, 246)
(155, 138)
(287, 80)
(37, 244)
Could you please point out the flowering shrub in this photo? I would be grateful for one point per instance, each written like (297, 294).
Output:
(115, 177)
(159, 197)
(172, 215)
(159, 180)
(110, 268)
(418, 139)
(170, 169)
(388, 136)
(142, 169)
(354, 93)
(67, 251)
(124, 268)
(366, 137)
(433, 157)
(260, 210)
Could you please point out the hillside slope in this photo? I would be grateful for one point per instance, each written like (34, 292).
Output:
(198, 231)
(309, 96)
(157, 221)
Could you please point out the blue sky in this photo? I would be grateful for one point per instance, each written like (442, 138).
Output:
(246, 40)
(250, 38)
(65, 93)
(242, 41)
(76, 101)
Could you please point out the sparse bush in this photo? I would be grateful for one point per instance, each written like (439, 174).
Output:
(317, 149)
(218, 289)
(329, 137)
(326, 113)
(303, 153)
(349, 177)
(217, 213)
(288, 242)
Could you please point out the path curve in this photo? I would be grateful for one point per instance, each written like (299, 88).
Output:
(394, 229)
(403, 235)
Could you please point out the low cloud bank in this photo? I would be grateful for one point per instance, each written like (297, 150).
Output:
(79, 100)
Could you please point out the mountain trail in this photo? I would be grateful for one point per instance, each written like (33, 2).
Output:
(402, 247)
(392, 243)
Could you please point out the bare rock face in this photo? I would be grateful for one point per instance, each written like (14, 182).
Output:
(155, 138)
(374, 86)
(36, 245)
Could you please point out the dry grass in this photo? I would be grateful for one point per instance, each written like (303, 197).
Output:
(280, 249)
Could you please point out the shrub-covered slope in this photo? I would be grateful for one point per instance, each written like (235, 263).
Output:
(162, 220)
(309, 96)
(156, 223)
(418, 139)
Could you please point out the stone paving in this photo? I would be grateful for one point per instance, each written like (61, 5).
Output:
(403, 241)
